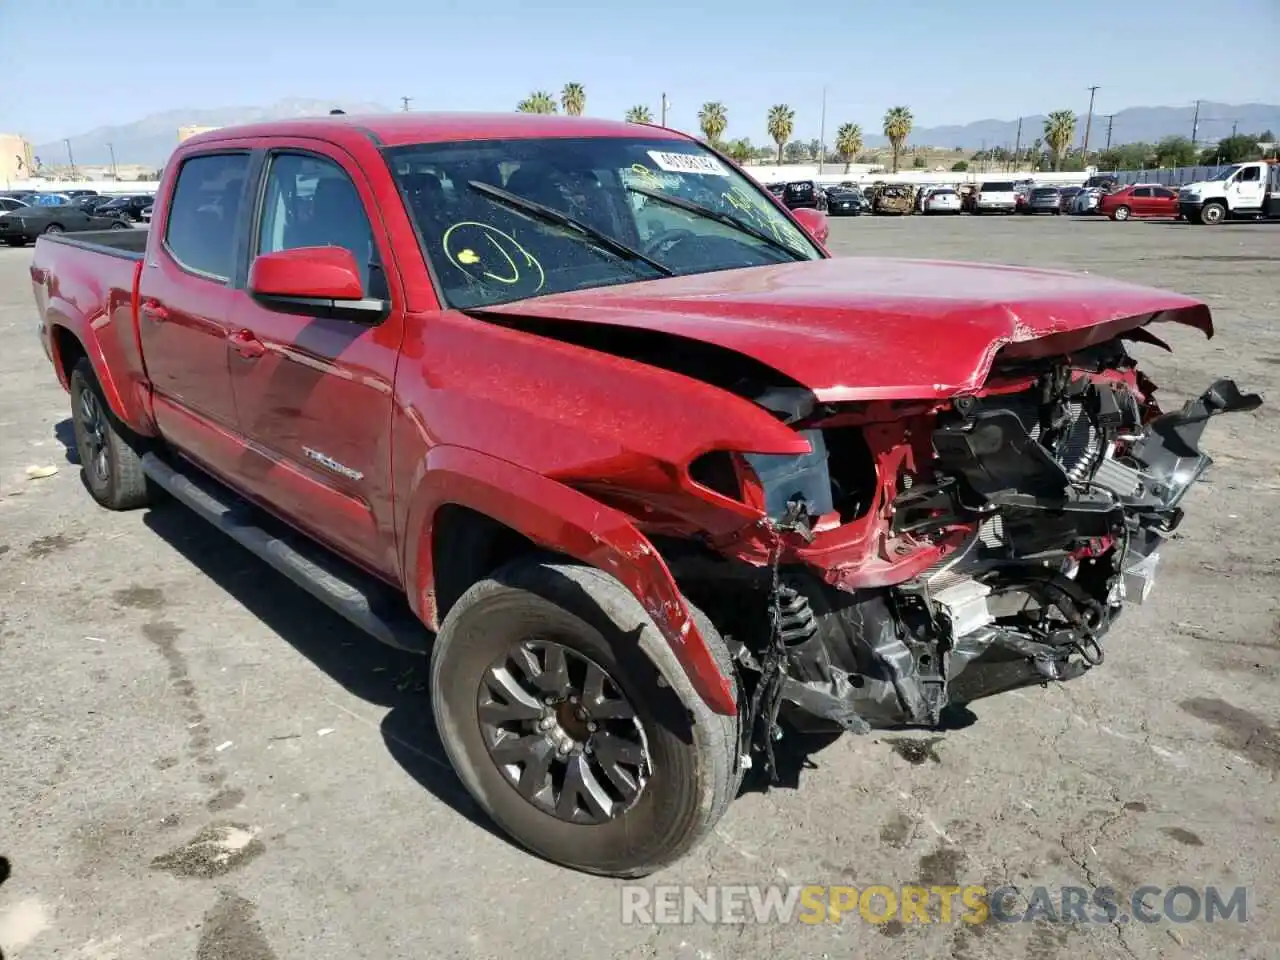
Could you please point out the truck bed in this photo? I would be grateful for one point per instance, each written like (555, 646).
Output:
(116, 243)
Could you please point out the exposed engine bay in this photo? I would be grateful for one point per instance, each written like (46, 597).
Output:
(924, 557)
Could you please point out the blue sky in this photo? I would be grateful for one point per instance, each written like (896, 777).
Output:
(116, 61)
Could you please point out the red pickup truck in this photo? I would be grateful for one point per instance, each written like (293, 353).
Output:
(583, 411)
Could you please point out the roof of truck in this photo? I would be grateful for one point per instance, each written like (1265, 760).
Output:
(398, 129)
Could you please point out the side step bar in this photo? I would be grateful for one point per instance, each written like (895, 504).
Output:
(367, 602)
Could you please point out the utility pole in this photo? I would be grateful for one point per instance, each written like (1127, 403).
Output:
(1195, 124)
(70, 159)
(983, 154)
(1110, 120)
(404, 103)
(1084, 150)
(112, 148)
(1017, 146)
(822, 131)
(664, 110)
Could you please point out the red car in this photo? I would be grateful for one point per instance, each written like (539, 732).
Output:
(590, 405)
(1139, 200)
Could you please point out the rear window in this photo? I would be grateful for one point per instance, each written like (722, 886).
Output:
(1044, 192)
(201, 230)
(997, 187)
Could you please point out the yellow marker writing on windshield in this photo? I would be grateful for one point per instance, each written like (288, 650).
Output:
(504, 244)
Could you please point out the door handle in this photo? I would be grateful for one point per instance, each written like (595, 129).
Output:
(153, 310)
(246, 344)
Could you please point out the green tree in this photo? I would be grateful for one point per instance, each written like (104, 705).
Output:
(538, 102)
(848, 143)
(781, 121)
(740, 150)
(713, 118)
(960, 166)
(796, 152)
(639, 114)
(897, 127)
(918, 162)
(1059, 131)
(1175, 152)
(1234, 149)
(574, 99)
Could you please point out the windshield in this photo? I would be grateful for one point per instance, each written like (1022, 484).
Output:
(1225, 173)
(484, 251)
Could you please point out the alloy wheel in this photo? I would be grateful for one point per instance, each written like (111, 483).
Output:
(562, 732)
(94, 429)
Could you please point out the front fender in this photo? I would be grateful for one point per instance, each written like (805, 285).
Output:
(558, 518)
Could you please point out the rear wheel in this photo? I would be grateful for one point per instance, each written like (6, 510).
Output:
(16, 243)
(53, 228)
(1120, 213)
(564, 730)
(119, 225)
(110, 457)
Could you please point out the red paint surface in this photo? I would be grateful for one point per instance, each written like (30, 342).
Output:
(582, 452)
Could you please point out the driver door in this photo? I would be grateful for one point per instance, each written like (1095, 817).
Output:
(1247, 190)
(313, 394)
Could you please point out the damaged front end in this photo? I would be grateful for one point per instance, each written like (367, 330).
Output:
(926, 556)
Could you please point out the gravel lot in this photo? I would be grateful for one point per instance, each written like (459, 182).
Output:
(196, 760)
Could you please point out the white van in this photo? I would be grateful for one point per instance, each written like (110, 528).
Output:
(996, 196)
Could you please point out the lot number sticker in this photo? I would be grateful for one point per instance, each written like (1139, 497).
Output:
(688, 163)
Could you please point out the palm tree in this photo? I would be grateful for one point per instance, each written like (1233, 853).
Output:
(639, 114)
(713, 118)
(574, 99)
(897, 127)
(848, 142)
(538, 102)
(782, 120)
(1059, 131)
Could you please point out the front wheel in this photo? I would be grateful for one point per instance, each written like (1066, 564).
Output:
(110, 460)
(1120, 213)
(1213, 213)
(565, 731)
(53, 228)
(119, 225)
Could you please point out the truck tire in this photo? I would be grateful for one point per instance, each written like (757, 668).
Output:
(1213, 213)
(110, 458)
(539, 681)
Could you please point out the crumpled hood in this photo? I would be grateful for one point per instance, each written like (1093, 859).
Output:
(877, 328)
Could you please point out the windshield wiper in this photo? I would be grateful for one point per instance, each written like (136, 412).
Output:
(599, 237)
(728, 220)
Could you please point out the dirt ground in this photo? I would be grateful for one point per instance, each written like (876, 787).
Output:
(198, 761)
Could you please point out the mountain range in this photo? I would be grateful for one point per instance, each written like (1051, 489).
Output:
(151, 139)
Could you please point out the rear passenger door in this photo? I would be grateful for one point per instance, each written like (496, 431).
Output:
(185, 298)
(313, 393)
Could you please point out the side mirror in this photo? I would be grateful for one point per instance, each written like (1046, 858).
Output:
(814, 223)
(316, 281)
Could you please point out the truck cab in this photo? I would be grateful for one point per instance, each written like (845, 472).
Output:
(1242, 191)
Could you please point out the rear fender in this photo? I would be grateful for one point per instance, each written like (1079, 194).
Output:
(62, 318)
(561, 519)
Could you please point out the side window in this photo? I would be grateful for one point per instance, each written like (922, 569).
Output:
(201, 230)
(1164, 194)
(311, 202)
(1250, 175)
(1142, 192)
